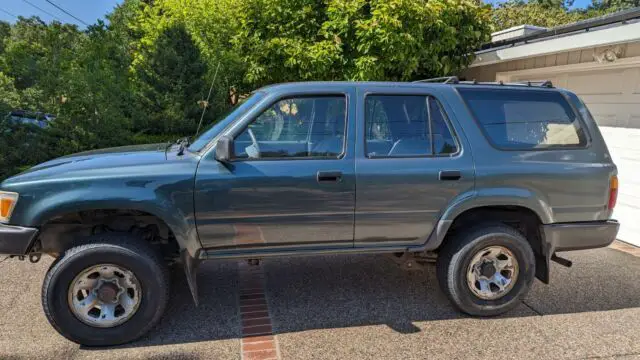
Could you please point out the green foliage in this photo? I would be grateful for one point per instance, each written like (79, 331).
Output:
(82, 77)
(22, 147)
(566, 4)
(38, 55)
(97, 108)
(545, 13)
(9, 97)
(212, 25)
(257, 42)
(170, 83)
(287, 40)
(5, 32)
(614, 5)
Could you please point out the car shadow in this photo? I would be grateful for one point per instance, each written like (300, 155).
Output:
(327, 292)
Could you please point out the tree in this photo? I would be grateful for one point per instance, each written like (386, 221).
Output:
(171, 82)
(614, 5)
(258, 42)
(565, 4)
(212, 25)
(99, 105)
(39, 58)
(518, 12)
(9, 97)
(5, 32)
(17, 146)
(287, 40)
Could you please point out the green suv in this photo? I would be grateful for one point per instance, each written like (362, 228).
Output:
(492, 179)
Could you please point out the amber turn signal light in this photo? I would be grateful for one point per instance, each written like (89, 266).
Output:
(7, 203)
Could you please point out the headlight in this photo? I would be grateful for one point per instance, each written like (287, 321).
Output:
(8, 201)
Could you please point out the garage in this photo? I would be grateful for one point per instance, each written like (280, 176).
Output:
(599, 60)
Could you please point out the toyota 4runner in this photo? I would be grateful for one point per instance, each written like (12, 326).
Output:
(492, 179)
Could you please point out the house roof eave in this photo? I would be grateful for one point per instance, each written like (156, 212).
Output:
(627, 32)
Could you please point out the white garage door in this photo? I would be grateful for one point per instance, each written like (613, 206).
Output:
(612, 93)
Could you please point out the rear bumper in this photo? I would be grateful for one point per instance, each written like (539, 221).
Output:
(579, 235)
(16, 240)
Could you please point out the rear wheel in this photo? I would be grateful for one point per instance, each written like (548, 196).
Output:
(486, 271)
(109, 291)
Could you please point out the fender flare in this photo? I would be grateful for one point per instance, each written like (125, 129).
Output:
(500, 196)
(84, 199)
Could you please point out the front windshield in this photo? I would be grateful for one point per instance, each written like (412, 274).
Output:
(235, 112)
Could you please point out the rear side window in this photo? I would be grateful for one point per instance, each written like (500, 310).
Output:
(517, 119)
(406, 126)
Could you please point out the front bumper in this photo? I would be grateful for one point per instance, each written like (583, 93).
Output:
(579, 235)
(16, 240)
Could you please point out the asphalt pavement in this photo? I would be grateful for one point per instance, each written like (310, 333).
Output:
(357, 307)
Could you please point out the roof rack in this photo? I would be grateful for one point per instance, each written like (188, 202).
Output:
(538, 83)
(541, 83)
(455, 80)
(443, 79)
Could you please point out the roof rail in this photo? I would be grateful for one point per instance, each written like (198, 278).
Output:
(455, 80)
(539, 83)
(443, 79)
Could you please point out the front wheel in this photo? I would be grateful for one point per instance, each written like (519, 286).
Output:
(486, 271)
(109, 291)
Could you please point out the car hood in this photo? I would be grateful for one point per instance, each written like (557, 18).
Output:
(119, 157)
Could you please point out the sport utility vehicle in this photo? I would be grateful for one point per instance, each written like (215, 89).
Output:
(493, 179)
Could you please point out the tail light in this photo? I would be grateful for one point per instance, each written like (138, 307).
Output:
(613, 192)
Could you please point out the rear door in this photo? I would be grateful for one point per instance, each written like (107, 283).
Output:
(412, 161)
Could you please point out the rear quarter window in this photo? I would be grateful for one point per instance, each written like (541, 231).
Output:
(525, 119)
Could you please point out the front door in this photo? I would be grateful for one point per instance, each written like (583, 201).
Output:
(292, 181)
(412, 162)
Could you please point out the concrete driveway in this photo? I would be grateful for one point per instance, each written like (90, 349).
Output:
(356, 307)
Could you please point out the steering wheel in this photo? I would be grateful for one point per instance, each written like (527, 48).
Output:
(256, 146)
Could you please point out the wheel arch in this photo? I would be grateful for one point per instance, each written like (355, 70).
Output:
(179, 221)
(501, 197)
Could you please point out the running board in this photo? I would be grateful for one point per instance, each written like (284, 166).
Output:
(302, 251)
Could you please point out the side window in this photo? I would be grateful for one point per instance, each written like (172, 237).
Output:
(531, 119)
(406, 125)
(443, 141)
(304, 127)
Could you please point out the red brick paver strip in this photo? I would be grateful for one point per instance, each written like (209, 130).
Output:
(258, 341)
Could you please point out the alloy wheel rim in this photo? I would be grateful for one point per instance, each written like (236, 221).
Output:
(492, 272)
(104, 295)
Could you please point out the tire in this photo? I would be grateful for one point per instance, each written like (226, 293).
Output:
(452, 268)
(126, 252)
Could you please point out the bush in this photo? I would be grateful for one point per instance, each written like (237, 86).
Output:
(22, 147)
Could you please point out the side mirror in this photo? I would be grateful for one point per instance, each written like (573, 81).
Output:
(225, 150)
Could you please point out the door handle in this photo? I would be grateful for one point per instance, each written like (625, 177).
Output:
(449, 175)
(329, 176)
